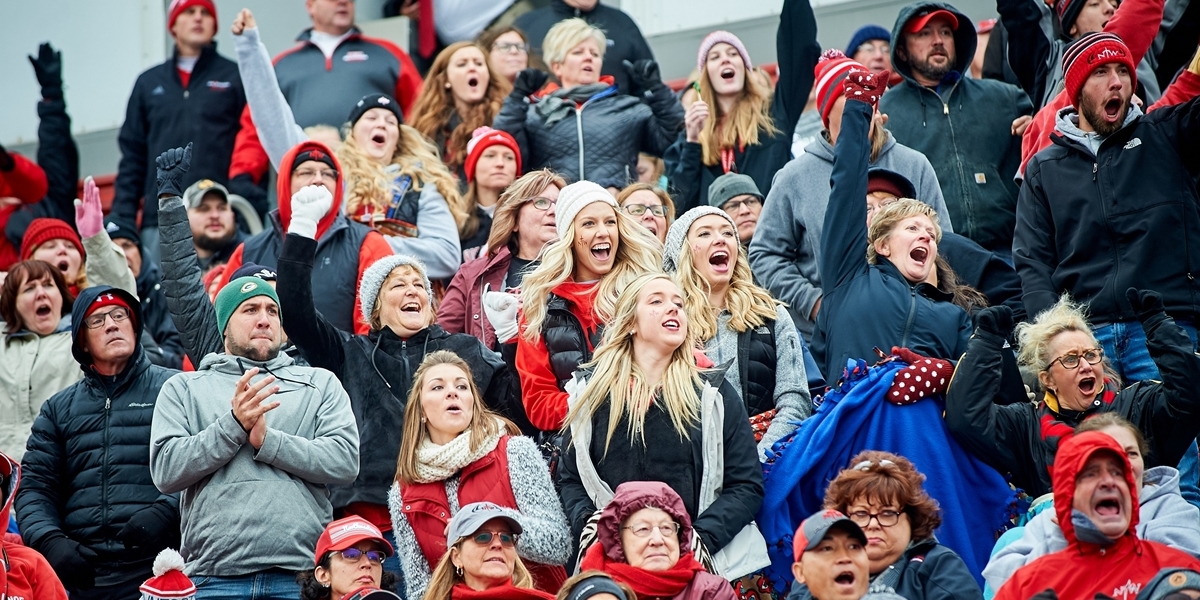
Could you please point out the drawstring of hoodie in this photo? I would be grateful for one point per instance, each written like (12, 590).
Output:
(277, 377)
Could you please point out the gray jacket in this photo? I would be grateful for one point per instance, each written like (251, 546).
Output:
(243, 510)
(787, 242)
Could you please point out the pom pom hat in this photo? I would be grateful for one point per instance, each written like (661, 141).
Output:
(45, 229)
(168, 582)
(830, 72)
(484, 138)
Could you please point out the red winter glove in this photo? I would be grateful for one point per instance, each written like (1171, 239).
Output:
(923, 377)
(864, 86)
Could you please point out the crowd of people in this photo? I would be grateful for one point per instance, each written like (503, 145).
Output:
(520, 320)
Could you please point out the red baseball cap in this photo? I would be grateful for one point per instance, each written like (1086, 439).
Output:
(923, 18)
(345, 533)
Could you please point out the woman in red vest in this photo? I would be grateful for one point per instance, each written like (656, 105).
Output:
(455, 452)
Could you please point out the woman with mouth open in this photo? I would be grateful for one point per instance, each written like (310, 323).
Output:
(744, 330)
(455, 452)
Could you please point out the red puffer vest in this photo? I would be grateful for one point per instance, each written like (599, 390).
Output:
(487, 479)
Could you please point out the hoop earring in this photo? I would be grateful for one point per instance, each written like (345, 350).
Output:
(458, 571)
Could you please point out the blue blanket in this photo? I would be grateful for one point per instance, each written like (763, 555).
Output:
(976, 501)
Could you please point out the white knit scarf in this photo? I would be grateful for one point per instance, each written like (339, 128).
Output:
(439, 463)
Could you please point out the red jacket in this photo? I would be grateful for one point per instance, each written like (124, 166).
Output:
(461, 310)
(25, 182)
(545, 402)
(24, 573)
(1083, 570)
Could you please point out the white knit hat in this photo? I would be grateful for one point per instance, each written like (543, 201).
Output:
(573, 198)
(376, 274)
(679, 230)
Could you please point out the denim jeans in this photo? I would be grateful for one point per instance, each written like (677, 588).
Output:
(275, 584)
(392, 563)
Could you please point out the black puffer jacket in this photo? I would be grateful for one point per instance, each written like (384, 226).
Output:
(87, 466)
(757, 360)
(376, 370)
(566, 343)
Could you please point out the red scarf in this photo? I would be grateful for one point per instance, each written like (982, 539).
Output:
(647, 584)
(508, 591)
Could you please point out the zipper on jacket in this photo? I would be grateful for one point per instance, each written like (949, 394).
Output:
(104, 464)
(579, 136)
(1095, 167)
(968, 204)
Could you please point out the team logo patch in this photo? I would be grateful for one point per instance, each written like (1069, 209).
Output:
(354, 56)
(249, 286)
(219, 86)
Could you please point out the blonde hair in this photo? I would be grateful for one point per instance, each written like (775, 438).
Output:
(748, 305)
(524, 189)
(435, 107)
(369, 186)
(618, 380)
(484, 425)
(637, 252)
(663, 196)
(443, 579)
(890, 215)
(1034, 337)
(751, 114)
(568, 33)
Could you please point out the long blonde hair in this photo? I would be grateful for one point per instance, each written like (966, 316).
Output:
(751, 114)
(618, 380)
(444, 578)
(524, 189)
(748, 305)
(637, 252)
(369, 185)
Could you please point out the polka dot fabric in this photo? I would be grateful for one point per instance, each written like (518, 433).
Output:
(922, 378)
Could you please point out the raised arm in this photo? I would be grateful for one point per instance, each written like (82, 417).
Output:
(844, 235)
(1169, 415)
(106, 261)
(666, 114)
(1028, 46)
(273, 118)
(515, 110)
(797, 50)
(317, 338)
(57, 153)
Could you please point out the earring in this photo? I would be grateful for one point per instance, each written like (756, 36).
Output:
(458, 571)
(422, 419)
(324, 585)
(447, 85)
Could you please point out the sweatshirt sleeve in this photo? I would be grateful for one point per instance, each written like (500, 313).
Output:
(1040, 536)
(273, 118)
(331, 456)
(179, 458)
(190, 308)
(1172, 521)
(546, 538)
(545, 404)
(684, 169)
(792, 400)
(798, 52)
(437, 243)
(26, 179)
(777, 252)
(106, 264)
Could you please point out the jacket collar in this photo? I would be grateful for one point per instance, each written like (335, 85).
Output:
(207, 54)
(924, 289)
(306, 35)
(115, 384)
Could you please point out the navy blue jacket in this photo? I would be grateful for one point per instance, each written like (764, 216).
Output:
(867, 306)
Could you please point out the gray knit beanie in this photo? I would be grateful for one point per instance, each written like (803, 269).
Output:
(679, 230)
(729, 186)
(377, 273)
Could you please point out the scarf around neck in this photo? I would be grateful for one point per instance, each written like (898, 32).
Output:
(647, 584)
(556, 105)
(508, 591)
(439, 463)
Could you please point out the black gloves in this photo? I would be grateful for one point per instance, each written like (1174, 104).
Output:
(996, 320)
(48, 68)
(71, 561)
(1145, 303)
(643, 76)
(172, 165)
(6, 162)
(151, 528)
(528, 82)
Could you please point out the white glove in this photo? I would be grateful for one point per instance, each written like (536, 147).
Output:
(309, 205)
(501, 311)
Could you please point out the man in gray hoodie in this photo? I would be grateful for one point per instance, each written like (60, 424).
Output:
(252, 470)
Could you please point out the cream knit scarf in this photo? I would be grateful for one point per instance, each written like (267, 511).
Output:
(439, 463)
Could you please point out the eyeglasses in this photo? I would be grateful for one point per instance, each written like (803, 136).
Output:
(644, 530)
(353, 554)
(638, 210)
(736, 206)
(541, 203)
(886, 518)
(1070, 360)
(484, 538)
(511, 47)
(871, 48)
(310, 174)
(96, 321)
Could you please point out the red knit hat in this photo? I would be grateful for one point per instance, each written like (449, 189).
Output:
(169, 580)
(178, 6)
(1090, 52)
(482, 139)
(45, 229)
(830, 72)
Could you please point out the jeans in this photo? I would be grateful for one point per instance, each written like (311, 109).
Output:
(392, 563)
(275, 584)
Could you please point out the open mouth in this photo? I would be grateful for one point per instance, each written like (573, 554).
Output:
(1112, 108)
(919, 255)
(1108, 507)
(378, 138)
(1087, 386)
(454, 409)
(845, 578)
(602, 251)
(473, 82)
(727, 74)
(671, 325)
(719, 260)
(43, 310)
(63, 266)
(410, 307)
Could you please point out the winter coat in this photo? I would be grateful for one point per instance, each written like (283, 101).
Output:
(461, 309)
(872, 305)
(926, 571)
(24, 573)
(376, 369)
(247, 510)
(569, 334)
(1091, 240)
(1023, 438)
(33, 368)
(785, 250)
(87, 468)
(1085, 569)
(969, 140)
(25, 181)
(1165, 516)
(600, 139)
(514, 476)
(798, 51)
(163, 113)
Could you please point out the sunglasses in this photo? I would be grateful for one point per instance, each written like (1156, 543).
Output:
(484, 538)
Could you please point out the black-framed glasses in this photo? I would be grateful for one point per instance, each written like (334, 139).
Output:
(541, 203)
(96, 321)
(511, 47)
(645, 529)
(353, 554)
(638, 210)
(508, 540)
(1071, 360)
(886, 518)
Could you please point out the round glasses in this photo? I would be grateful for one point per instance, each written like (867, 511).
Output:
(886, 518)
(1071, 360)
(644, 530)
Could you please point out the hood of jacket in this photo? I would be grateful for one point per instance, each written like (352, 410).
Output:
(10, 481)
(631, 497)
(283, 188)
(1066, 122)
(1158, 482)
(88, 296)
(965, 39)
(237, 365)
(1072, 455)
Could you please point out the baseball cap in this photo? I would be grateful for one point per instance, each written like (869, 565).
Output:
(813, 529)
(925, 16)
(345, 533)
(370, 593)
(472, 516)
(195, 193)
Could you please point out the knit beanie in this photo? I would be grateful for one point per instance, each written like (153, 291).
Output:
(45, 229)
(484, 138)
(178, 6)
(235, 293)
(250, 269)
(729, 186)
(168, 582)
(1090, 52)
(370, 101)
(830, 72)
(574, 197)
(377, 273)
(679, 230)
(867, 33)
(1068, 11)
(718, 37)
(119, 228)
